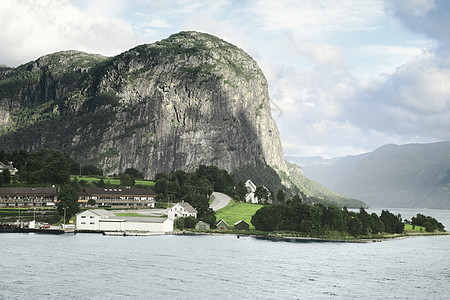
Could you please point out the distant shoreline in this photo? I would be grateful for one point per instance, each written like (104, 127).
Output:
(288, 238)
(262, 236)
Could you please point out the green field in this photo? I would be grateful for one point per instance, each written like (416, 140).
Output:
(236, 211)
(114, 181)
(417, 228)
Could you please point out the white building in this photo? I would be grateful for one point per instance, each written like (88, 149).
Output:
(100, 220)
(90, 219)
(251, 189)
(181, 209)
(121, 196)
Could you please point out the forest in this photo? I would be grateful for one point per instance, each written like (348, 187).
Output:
(317, 219)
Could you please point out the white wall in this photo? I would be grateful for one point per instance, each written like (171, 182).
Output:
(112, 225)
(165, 226)
(87, 220)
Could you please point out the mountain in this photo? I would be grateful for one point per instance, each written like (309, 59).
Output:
(188, 100)
(411, 176)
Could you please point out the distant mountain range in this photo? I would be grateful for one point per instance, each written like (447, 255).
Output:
(412, 175)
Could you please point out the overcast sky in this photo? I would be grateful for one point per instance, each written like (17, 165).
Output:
(345, 77)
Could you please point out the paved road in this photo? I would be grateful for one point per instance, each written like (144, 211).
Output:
(220, 201)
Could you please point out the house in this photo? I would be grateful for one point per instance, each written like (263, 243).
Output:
(121, 196)
(28, 196)
(90, 219)
(8, 167)
(222, 225)
(100, 220)
(251, 189)
(241, 225)
(201, 225)
(181, 209)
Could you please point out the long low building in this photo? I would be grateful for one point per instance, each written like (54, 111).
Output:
(100, 220)
(28, 196)
(121, 196)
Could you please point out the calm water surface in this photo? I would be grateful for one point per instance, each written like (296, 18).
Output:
(89, 266)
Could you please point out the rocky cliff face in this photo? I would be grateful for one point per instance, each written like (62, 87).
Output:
(188, 100)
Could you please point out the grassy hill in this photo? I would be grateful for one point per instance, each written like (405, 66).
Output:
(236, 211)
(110, 181)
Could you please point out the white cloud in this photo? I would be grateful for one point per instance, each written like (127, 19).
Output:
(34, 28)
(316, 17)
(321, 53)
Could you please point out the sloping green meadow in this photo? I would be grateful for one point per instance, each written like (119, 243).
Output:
(114, 181)
(236, 211)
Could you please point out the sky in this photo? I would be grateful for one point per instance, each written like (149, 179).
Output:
(345, 76)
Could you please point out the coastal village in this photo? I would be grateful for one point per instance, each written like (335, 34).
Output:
(94, 218)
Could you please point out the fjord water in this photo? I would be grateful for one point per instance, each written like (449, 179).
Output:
(91, 266)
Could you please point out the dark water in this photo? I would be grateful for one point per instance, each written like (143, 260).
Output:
(88, 266)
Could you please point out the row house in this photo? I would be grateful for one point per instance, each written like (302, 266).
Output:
(28, 196)
(121, 196)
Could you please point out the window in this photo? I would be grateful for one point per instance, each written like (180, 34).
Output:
(92, 223)
(83, 222)
(91, 217)
(83, 217)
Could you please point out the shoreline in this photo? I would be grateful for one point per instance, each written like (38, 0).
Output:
(276, 237)
(288, 238)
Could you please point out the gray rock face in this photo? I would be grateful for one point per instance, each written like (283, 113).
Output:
(188, 100)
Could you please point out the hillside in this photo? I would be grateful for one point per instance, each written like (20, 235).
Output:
(413, 176)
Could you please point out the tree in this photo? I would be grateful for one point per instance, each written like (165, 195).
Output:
(190, 222)
(392, 223)
(134, 172)
(241, 190)
(354, 226)
(365, 219)
(280, 196)
(430, 223)
(68, 201)
(262, 194)
(101, 183)
(91, 170)
(179, 223)
(267, 218)
(6, 177)
(92, 202)
(127, 180)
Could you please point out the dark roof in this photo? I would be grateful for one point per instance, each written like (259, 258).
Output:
(28, 191)
(188, 207)
(120, 191)
(240, 221)
(222, 221)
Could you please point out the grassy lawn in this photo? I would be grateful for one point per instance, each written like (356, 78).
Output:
(114, 181)
(417, 228)
(236, 211)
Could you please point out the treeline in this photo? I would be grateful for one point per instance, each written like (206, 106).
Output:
(430, 223)
(317, 219)
(44, 167)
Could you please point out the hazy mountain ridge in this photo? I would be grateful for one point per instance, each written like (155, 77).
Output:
(413, 175)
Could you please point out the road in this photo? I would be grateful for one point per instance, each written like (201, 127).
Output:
(220, 201)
